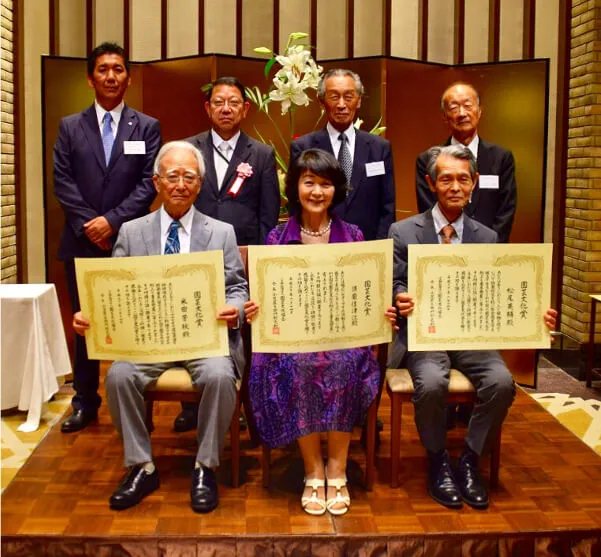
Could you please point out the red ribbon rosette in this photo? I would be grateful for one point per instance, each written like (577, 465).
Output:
(243, 171)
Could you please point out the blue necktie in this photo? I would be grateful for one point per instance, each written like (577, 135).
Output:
(172, 243)
(107, 136)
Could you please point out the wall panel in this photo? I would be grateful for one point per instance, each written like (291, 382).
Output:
(295, 15)
(332, 31)
(404, 28)
(220, 26)
(71, 28)
(145, 30)
(476, 31)
(441, 31)
(257, 29)
(369, 28)
(512, 30)
(108, 21)
(182, 28)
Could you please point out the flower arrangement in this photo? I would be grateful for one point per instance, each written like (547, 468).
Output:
(292, 86)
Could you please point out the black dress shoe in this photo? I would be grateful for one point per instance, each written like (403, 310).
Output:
(203, 493)
(78, 420)
(470, 483)
(136, 485)
(186, 420)
(442, 486)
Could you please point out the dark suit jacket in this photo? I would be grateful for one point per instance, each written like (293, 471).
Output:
(493, 207)
(370, 202)
(254, 211)
(86, 188)
(419, 229)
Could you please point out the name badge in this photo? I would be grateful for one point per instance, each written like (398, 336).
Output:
(488, 182)
(134, 148)
(374, 168)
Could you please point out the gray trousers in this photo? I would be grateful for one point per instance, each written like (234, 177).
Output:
(125, 385)
(494, 386)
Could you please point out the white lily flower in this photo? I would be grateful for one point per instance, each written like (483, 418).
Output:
(289, 92)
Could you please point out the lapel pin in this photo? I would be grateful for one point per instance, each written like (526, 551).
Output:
(130, 123)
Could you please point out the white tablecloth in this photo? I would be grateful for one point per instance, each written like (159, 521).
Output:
(34, 348)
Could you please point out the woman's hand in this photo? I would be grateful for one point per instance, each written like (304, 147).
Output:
(250, 310)
(404, 303)
(80, 323)
(230, 315)
(391, 315)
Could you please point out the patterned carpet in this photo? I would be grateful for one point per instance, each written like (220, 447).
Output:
(581, 417)
(16, 446)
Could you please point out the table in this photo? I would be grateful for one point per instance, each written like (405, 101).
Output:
(590, 371)
(34, 348)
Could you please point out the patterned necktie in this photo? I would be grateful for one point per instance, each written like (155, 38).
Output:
(172, 243)
(447, 232)
(107, 136)
(222, 162)
(344, 157)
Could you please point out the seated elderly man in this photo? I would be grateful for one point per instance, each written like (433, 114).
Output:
(451, 175)
(177, 227)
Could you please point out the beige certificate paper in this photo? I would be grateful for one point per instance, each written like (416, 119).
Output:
(479, 296)
(320, 297)
(153, 309)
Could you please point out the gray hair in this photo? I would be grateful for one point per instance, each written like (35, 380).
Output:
(179, 145)
(339, 72)
(442, 107)
(455, 151)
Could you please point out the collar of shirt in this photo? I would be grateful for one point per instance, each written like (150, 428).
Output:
(441, 221)
(473, 145)
(335, 134)
(184, 231)
(218, 140)
(115, 113)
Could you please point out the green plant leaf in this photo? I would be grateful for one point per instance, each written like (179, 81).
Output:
(263, 50)
(268, 67)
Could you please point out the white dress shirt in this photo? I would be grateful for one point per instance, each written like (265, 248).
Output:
(220, 164)
(336, 143)
(440, 221)
(115, 114)
(184, 232)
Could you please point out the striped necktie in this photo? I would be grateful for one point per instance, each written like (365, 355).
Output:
(172, 243)
(447, 232)
(107, 136)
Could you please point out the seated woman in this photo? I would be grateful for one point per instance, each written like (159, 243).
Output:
(298, 396)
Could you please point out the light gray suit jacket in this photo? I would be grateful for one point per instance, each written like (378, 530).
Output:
(419, 229)
(142, 236)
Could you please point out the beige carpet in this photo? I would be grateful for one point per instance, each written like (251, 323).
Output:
(16, 446)
(581, 417)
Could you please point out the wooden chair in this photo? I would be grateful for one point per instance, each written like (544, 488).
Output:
(175, 385)
(400, 389)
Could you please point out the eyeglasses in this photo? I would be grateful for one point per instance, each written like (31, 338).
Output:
(173, 178)
(234, 104)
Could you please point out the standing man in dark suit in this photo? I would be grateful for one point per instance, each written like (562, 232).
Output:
(494, 199)
(241, 184)
(365, 158)
(102, 178)
(451, 175)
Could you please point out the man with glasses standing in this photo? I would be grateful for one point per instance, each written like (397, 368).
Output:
(365, 158)
(241, 184)
(178, 228)
(102, 178)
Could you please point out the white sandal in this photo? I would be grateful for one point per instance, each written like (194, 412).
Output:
(314, 484)
(338, 483)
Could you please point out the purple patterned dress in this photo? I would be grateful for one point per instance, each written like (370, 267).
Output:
(293, 395)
